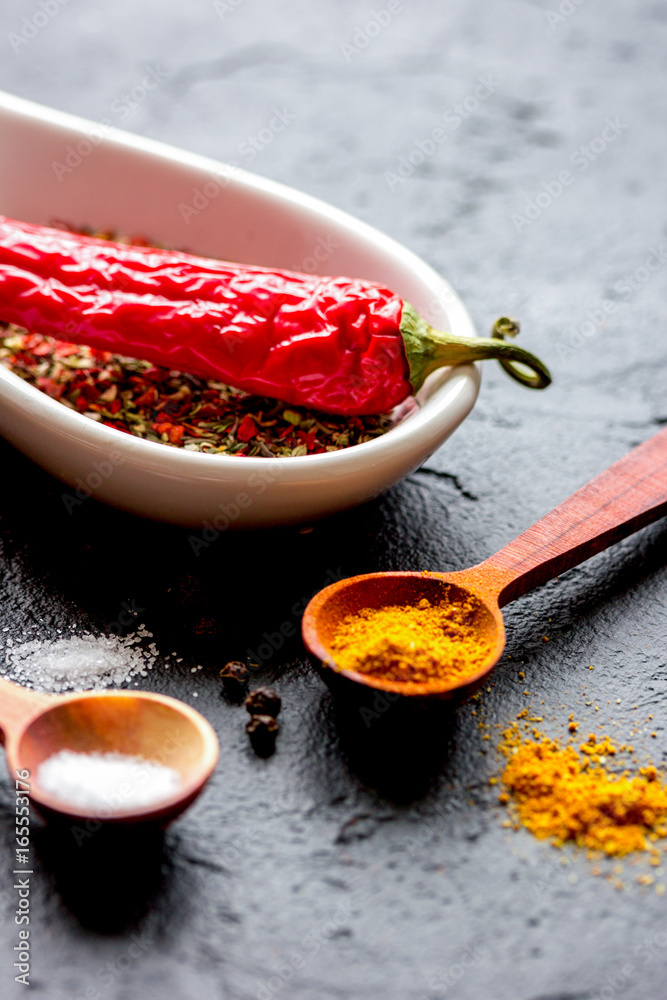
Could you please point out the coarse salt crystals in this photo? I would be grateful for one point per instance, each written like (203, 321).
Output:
(106, 783)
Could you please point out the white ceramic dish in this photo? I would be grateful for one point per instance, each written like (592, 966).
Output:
(56, 166)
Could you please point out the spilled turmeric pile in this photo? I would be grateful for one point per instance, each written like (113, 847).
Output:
(567, 793)
(416, 644)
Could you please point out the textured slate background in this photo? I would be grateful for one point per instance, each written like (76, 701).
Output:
(365, 863)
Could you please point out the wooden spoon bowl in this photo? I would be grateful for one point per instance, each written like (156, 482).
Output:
(330, 606)
(155, 727)
(630, 494)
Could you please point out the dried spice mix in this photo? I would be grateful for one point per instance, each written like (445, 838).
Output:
(176, 409)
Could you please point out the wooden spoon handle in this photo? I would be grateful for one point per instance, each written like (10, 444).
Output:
(629, 495)
(17, 705)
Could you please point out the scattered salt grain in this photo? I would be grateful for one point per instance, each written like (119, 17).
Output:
(106, 781)
(78, 662)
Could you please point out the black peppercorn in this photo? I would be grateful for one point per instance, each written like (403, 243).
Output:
(234, 677)
(263, 701)
(262, 730)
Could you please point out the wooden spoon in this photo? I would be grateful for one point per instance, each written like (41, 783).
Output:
(628, 496)
(160, 729)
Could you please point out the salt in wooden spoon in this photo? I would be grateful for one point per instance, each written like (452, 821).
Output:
(629, 495)
(153, 726)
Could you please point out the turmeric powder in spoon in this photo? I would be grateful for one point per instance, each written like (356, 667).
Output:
(412, 643)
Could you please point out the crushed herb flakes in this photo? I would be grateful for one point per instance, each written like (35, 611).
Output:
(175, 409)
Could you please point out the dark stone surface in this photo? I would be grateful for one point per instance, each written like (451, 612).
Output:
(366, 863)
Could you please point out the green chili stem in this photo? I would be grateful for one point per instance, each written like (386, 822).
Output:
(428, 349)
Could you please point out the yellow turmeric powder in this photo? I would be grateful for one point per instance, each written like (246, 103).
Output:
(413, 643)
(564, 795)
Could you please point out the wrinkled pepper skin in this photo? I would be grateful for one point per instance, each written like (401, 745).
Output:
(333, 344)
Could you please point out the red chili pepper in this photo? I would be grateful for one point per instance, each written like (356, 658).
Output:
(175, 433)
(247, 429)
(337, 344)
(147, 398)
(309, 438)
